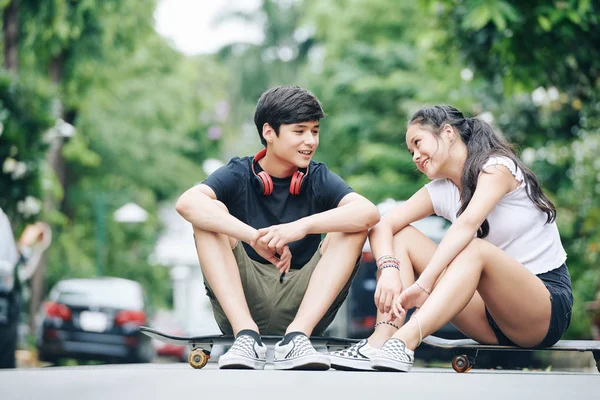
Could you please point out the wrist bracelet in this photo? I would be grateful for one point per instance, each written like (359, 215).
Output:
(386, 258)
(384, 266)
(387, 261)
(422, 288)
(385, 323)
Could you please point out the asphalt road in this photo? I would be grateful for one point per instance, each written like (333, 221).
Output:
(179, 381)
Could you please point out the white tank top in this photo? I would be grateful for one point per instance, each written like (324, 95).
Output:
(517, 226)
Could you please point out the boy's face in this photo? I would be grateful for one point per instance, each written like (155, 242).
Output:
(296, 143)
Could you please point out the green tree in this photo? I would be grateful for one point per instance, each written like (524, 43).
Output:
(375, 67)
(544, 83)
(277, 60)
(141, 112)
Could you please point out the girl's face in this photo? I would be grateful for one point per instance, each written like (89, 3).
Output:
(429, 151)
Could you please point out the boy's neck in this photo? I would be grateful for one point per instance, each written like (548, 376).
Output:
(276, 167)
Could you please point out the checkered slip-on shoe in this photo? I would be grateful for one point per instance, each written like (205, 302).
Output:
(393, 356)
(355, 358)
(295, 351)
(247, 352)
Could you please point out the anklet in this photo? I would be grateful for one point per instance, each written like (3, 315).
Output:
(420, 331)
(386, 323)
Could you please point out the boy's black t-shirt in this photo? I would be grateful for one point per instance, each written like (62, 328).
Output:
(322, 190)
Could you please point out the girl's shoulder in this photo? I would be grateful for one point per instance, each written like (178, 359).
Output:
(509, 163)
(444, 197)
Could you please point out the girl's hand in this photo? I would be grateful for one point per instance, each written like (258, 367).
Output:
(413, 296)
(389, 287)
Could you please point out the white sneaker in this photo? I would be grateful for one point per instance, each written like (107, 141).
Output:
(393, 356)
(247, 352)
(355, 358)
(295, 351)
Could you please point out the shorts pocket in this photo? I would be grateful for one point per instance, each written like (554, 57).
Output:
(209, 292)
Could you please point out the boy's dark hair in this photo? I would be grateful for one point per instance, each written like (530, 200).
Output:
(286, 105)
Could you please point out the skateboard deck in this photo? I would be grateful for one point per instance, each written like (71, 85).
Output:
(464, 362)
(202, 345)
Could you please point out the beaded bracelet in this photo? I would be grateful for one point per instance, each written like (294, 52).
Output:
(390, 265)
(386, 258)
(386, 323)
(388, 262)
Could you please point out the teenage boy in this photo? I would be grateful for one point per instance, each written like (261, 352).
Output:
(257, 226)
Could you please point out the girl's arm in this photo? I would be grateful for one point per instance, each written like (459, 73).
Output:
(389, 283)
(492, 185)
(417, 207)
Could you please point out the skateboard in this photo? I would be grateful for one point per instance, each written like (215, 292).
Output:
(466, 350)
(202, 345)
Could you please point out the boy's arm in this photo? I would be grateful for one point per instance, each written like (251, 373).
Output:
(200, 207)
(354, 213)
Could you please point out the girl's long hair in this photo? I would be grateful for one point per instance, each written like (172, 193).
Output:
(482, 143)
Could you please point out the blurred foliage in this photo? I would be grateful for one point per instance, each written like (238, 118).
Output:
(538, 58)
(147, 116)
(277, 60)
(25, 116)
(103, 68)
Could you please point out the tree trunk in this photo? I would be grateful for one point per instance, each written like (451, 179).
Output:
(10, 19)
(54, 158)
(37, 287)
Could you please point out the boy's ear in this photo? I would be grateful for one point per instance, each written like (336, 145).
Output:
(268, 132)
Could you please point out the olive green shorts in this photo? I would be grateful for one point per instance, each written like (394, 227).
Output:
(273, 304)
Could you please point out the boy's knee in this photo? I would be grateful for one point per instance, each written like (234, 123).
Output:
(351, 239)
(199, 234)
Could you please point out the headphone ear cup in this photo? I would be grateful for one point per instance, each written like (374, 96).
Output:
(264, 183)
(296, 183)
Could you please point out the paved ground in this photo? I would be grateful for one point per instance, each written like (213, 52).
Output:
(179, 381)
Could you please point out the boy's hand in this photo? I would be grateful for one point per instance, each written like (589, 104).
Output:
(276, 237)
(282, 263)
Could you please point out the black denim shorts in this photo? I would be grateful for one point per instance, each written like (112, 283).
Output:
(558, 282)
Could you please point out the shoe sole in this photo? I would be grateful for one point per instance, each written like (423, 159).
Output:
(314, 362)
(345, 364)
(387, 364)
(239, 362)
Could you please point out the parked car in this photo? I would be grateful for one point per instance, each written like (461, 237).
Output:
(94, 319)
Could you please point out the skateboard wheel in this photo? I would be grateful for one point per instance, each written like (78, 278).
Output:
(461, 363)
(198, 358)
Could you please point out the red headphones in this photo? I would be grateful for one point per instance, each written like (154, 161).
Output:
(265, 184)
